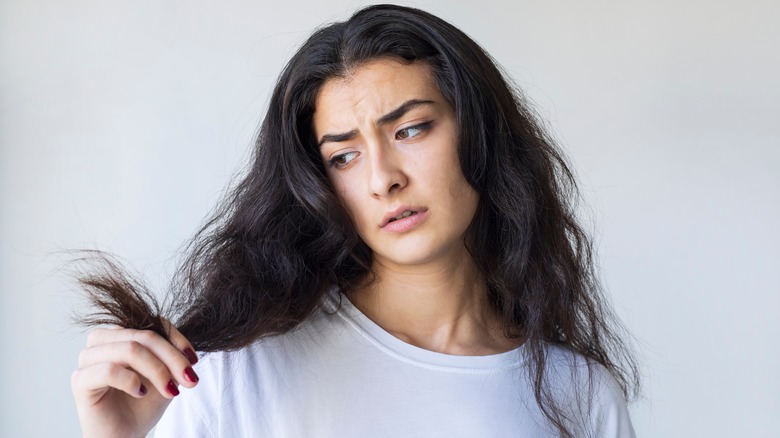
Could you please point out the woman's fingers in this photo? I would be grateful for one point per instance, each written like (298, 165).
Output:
(106, 335)
(181, 342)
(120, 373)
(91, 383)
(160, 362)
(162, 369)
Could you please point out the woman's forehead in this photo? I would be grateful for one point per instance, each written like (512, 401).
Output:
(373, 89)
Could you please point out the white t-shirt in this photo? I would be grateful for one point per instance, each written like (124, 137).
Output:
(341, 375)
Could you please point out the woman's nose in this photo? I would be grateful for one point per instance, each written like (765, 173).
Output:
(385, 172)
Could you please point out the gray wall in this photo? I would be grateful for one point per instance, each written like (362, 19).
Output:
(121, 123)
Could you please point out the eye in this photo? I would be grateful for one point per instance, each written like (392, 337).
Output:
(412, 131)
(342, 160)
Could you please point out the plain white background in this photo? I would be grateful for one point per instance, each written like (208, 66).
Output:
(122, 122)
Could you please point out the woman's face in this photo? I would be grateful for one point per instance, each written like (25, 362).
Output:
(388, 140)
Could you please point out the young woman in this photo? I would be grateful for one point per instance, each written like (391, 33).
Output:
(401, 259)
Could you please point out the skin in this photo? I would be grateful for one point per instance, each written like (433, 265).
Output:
(428, 291)
(382, 153)
(111, 370)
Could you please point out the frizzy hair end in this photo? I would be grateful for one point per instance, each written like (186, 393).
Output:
(114, 295)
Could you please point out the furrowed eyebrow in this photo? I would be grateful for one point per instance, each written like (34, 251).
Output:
(335, 138)
(390, 117)
(399, 112)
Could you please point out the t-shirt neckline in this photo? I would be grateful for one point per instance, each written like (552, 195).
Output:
(418, 356)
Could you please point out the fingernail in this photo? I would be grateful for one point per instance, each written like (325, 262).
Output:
(191, 356)
(172, 389)
(142, 390)
(189, 373)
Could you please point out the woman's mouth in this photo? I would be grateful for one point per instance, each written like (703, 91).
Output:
(405, 221)
(407, 213)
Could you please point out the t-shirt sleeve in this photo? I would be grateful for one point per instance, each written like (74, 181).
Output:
(609, 416)
(192, 412)
(182, 419)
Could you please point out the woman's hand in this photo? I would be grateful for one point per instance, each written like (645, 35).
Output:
(126, 378)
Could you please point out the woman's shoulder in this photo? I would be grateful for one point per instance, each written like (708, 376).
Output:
(590, 391)
(566, 364)
(240, 384)
(273, 354)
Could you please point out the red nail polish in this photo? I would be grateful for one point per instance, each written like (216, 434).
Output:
(142, 390)
(172, 389)
(191, 356)
(189, 373)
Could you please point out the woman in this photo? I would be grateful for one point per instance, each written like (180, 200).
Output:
(401, 259)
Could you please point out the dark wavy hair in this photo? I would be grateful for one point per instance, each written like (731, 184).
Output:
(281, 239)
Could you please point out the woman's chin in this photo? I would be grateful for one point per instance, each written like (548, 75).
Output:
(417, 256)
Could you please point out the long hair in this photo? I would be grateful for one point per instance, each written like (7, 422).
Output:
(280, 240)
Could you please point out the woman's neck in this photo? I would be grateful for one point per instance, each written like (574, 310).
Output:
(441, 308)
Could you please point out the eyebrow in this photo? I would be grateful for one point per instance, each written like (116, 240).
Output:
(390, 117)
